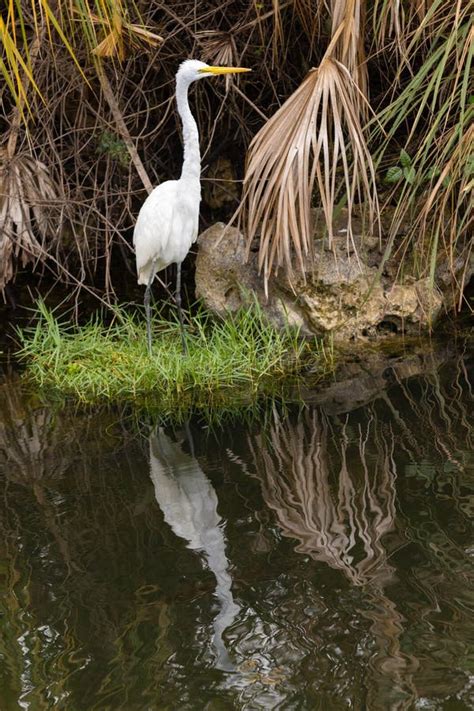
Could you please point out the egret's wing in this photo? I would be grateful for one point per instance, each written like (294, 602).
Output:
(154, 226)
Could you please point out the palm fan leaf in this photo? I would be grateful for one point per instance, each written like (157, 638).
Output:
(27, 192)
(348, 24)
(121, 34)
(132, 36)
(219, 48)
(113, 43)
(316, 131)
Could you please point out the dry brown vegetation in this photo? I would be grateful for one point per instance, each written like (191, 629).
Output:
(341, 92)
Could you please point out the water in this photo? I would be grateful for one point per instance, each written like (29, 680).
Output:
(320, 559)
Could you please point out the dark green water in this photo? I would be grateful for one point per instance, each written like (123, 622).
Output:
(317, 560)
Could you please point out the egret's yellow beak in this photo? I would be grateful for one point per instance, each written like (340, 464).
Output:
(224, 70)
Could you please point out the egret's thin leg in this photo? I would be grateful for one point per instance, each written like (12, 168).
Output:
(189, 437)
(148, 309)
(180, 312)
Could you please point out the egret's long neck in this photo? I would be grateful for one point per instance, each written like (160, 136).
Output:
(192, 157)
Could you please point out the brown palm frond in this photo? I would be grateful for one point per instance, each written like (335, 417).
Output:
(308, 12)
(317, 130)
(113, 44)
(348, 26)
(27, 192)
(278, 35)
(396, 25)
(219, 48)
(122, 34)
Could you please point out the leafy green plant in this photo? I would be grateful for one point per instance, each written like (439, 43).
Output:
(405, 171)
(110, 144)
(402, 171)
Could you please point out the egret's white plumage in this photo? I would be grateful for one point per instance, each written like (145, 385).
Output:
(167, 224)
(166, 227)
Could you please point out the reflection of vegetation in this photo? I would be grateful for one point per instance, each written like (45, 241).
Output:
(332, 482)
(230, 363)
(62, 523)
(102, 606)
(340, 516)
(332, 485)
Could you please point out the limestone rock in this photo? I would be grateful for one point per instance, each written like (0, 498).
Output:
(342, 295)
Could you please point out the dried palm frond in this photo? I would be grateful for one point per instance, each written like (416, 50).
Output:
(121, 34)
(219, 48)
(348, 26)
(113, 44)
(393, 22)
(278, 33)
(309, 14)
(27, 192)
(315, 131)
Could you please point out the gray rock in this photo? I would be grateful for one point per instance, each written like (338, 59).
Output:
(343, 294)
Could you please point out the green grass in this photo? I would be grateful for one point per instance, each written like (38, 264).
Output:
(231, 363)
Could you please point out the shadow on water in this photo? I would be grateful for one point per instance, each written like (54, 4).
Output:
(319, 560)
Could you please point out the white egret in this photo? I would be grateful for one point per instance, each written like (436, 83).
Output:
(167, 224)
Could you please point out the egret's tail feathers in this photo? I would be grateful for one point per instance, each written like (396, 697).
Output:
(143, 277)
(146, 272)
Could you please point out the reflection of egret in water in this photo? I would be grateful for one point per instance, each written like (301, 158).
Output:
(189, 504)
(332, 487)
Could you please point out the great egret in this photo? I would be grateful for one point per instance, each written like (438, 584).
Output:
(167, 224)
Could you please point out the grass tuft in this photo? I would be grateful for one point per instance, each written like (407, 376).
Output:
(231, 363)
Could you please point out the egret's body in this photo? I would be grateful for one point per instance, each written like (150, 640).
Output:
(167, 224)
(170, 212)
